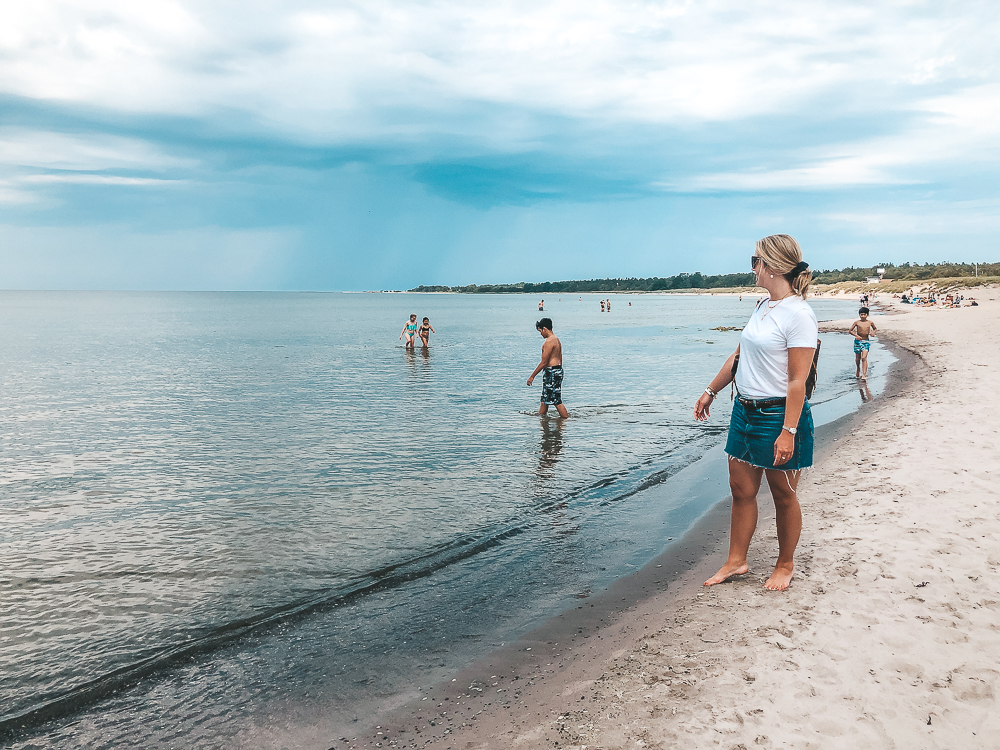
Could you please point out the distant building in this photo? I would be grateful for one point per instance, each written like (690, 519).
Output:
(877, 279)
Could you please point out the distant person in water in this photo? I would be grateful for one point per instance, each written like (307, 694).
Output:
(602, 305)
(409, 330)
(609, 305)
(552, 365)
(541, 305)
(425, 331)
(861, 330)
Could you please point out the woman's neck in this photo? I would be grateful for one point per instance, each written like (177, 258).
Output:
(778, 287)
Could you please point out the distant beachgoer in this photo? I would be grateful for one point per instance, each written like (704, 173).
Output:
(552, 365)
(771, 430)
(861, 330)
(602, 305)
(609, 305)
(630, 304)
(409, 330)
(425, 331)
(541, 305)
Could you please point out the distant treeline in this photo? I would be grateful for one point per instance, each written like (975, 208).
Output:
(904, 272)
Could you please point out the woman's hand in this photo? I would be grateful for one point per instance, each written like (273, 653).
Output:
(784, 448)
(701, 412)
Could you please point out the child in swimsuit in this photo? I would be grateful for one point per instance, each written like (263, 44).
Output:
(861, 330)
(425, 331)
(409, 330)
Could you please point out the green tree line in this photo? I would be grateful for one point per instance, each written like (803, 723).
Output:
(903, 272)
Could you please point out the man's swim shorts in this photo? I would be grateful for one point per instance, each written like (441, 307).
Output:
(552, 378)
(861, 346)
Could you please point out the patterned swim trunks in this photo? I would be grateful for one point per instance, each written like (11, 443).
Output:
(861, 346)
(552, 378)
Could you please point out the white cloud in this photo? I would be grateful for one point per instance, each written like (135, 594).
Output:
(97, 179)
(960, 130)
(20, 147)
(361, 69)
(833, 173)
(960, 219)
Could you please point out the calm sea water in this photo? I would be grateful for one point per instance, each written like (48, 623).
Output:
(235, 519)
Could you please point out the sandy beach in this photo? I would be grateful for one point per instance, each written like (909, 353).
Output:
(887, 638)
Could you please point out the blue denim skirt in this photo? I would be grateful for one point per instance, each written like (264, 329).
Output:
(752, 433)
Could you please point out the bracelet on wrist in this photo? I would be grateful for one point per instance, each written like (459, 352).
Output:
(710, 392)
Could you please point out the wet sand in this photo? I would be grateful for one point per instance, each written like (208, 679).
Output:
(888, 637)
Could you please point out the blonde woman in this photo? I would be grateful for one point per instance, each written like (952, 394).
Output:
(771, 430)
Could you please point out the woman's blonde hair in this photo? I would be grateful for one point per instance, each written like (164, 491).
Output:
(782, 254)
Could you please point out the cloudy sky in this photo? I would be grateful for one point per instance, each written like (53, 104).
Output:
(374, 145)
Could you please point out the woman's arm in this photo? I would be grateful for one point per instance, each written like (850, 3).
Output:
(799, 361)
(720, 381)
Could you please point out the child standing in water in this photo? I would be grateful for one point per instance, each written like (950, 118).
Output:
(553, 372)
(425, 331)
(862, 329)
(409, 330)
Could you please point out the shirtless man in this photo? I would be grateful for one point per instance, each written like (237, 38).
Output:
(552, 364)
(862, 329)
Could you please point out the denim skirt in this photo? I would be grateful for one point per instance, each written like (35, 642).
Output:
(752, 433)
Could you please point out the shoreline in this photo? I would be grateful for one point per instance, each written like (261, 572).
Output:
(887, 637)
(518, 685)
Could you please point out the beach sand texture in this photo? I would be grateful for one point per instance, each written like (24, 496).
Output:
(888, 638)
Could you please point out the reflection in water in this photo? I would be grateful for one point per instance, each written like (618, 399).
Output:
(866, 394)
(551, 447)
(419, 367)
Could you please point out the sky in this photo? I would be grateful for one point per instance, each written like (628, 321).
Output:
(381, 145)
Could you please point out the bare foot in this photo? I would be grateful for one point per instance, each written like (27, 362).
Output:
(726, 572)
(780, 578)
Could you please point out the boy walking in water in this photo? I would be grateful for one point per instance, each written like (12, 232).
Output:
(862, 329)
(552, 365)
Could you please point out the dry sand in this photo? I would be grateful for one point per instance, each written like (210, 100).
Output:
(888, 638)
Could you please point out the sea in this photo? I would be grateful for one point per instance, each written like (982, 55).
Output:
(257, 520)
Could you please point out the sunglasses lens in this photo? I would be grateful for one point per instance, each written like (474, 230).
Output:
(754, 260)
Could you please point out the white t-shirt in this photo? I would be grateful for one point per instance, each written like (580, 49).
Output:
(764, 345)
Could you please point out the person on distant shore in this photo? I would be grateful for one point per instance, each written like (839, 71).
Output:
(861, 330)
(410, 331)
(425, 331)
(552, 365)
(771, 429)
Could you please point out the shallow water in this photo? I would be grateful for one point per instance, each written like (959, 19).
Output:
(230, 519)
